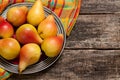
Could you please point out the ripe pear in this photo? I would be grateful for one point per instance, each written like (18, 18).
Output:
(36, 13)
(6, 29)
(17, 15)
(29, 54)
(52, 45)
(47, 27)
(9, 48)
(27, 33)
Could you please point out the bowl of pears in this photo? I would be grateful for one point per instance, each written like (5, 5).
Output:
(32, 38)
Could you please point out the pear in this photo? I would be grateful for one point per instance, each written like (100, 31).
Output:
(17, 15)
(52, 45)
(27, 33)
(6, 29)
(9, 48)
(29, 54)
(36, 13)
(47, 27)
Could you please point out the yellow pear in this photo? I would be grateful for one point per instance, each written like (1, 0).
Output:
(9, 48)
(47, 27)
(29, 54)
(36, 13)
(52, 45)
(17, 15)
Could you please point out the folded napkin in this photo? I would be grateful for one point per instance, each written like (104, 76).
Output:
(67, 10)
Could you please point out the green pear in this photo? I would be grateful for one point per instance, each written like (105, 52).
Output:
(52, 45)
(47, 27)
(36, 13)
(29, 54)
(9, 48)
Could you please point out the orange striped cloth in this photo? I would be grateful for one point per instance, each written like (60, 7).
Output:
(67, 10)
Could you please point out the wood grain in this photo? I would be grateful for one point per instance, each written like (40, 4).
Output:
(80, 65)
(100, 6)
(95, 31)
(92, 50)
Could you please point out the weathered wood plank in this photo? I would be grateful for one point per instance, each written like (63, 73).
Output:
(95, 31)
(80, 65)
(92, 45)
(100, 6)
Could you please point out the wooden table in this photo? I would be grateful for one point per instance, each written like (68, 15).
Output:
(92, 50)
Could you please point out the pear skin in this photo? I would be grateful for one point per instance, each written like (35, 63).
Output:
(29, 54)
(9, 48)
(47, 27)
(36, 13)
(27, 33)
(52, 45)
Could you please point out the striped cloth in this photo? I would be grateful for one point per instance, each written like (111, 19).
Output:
(4, 74)
(67, 10)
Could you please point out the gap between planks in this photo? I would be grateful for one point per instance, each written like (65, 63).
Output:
(99, 13)
(92, 48)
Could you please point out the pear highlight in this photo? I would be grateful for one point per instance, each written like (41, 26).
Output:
(36, 13)
(29, 54)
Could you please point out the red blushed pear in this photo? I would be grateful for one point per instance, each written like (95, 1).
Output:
(27, 33)
(52, 45)
(47, 27)
(17, 15)
(9, 48)
(29, 54)
(6, 29)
